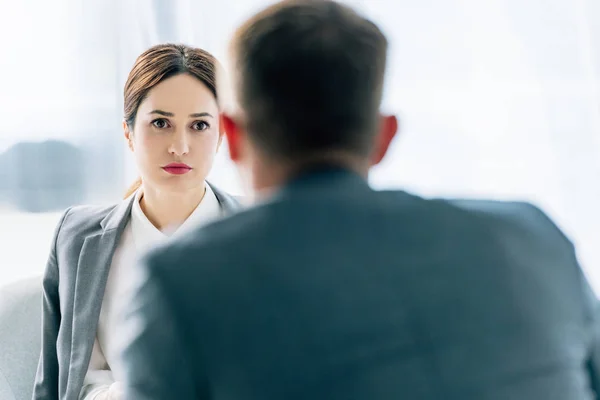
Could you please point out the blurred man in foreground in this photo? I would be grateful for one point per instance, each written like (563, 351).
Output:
(331, 290)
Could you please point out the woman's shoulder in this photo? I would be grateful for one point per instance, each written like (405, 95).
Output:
(84, 219)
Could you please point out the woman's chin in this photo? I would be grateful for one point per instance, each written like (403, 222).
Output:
(182, 186)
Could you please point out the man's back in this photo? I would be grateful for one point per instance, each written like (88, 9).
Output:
(335, 291)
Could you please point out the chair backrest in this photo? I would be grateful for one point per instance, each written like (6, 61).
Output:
(20, 338)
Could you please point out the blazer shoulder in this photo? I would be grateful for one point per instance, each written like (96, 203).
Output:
(520, 215)
(517, 211)
(83, 220)
(493, 207)
(523, 215)
(479, 207)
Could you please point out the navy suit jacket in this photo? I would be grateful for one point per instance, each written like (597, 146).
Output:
(332, 290)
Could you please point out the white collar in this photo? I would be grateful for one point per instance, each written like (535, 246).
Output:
(145, 234)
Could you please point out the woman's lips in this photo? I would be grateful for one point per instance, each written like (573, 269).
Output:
(177, 168)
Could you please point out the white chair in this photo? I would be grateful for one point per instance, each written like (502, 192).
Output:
(20, 338)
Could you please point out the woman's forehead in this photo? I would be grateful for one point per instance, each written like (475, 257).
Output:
(181, 94)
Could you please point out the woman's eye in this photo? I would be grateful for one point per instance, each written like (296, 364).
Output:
(160, 123)
(200, 126)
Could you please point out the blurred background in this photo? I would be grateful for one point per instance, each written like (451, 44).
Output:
(497, 99)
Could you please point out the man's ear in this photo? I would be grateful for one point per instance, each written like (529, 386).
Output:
(387, 131)
(234, 136)
(128, 135)
(221, 132)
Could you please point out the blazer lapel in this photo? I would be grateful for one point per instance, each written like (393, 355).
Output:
(92, 274)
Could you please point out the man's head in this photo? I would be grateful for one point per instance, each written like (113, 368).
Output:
(307, 80)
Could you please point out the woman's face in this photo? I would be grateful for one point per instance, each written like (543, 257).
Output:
(176, 134)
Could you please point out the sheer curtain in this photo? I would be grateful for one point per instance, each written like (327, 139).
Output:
(497, 99)
(59, 107)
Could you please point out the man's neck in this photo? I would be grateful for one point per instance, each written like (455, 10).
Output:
(268, 177)
(170, 209)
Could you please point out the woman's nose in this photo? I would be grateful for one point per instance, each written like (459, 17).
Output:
(180, 145)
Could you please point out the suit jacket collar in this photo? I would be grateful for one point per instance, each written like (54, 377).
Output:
(118, 217)
(92, 273)
(324, 174)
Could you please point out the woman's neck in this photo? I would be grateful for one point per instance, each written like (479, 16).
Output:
(168, 210)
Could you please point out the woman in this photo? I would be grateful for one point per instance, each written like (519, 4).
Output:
(172, 127)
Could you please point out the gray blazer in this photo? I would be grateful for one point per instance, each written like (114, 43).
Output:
(335, 291)
(73, 286)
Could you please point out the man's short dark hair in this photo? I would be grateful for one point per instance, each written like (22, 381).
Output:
(310, 78)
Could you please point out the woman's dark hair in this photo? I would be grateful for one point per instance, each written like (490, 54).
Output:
(157, 64)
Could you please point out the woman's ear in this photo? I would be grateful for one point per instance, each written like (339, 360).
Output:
(128, 135)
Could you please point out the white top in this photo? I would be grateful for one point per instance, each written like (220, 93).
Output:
(138, 237)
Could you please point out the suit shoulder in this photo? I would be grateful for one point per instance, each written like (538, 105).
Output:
(480, 207)
(73, 227)
(521, 211)
(520, 214)
(491, 207)
(81, 220)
